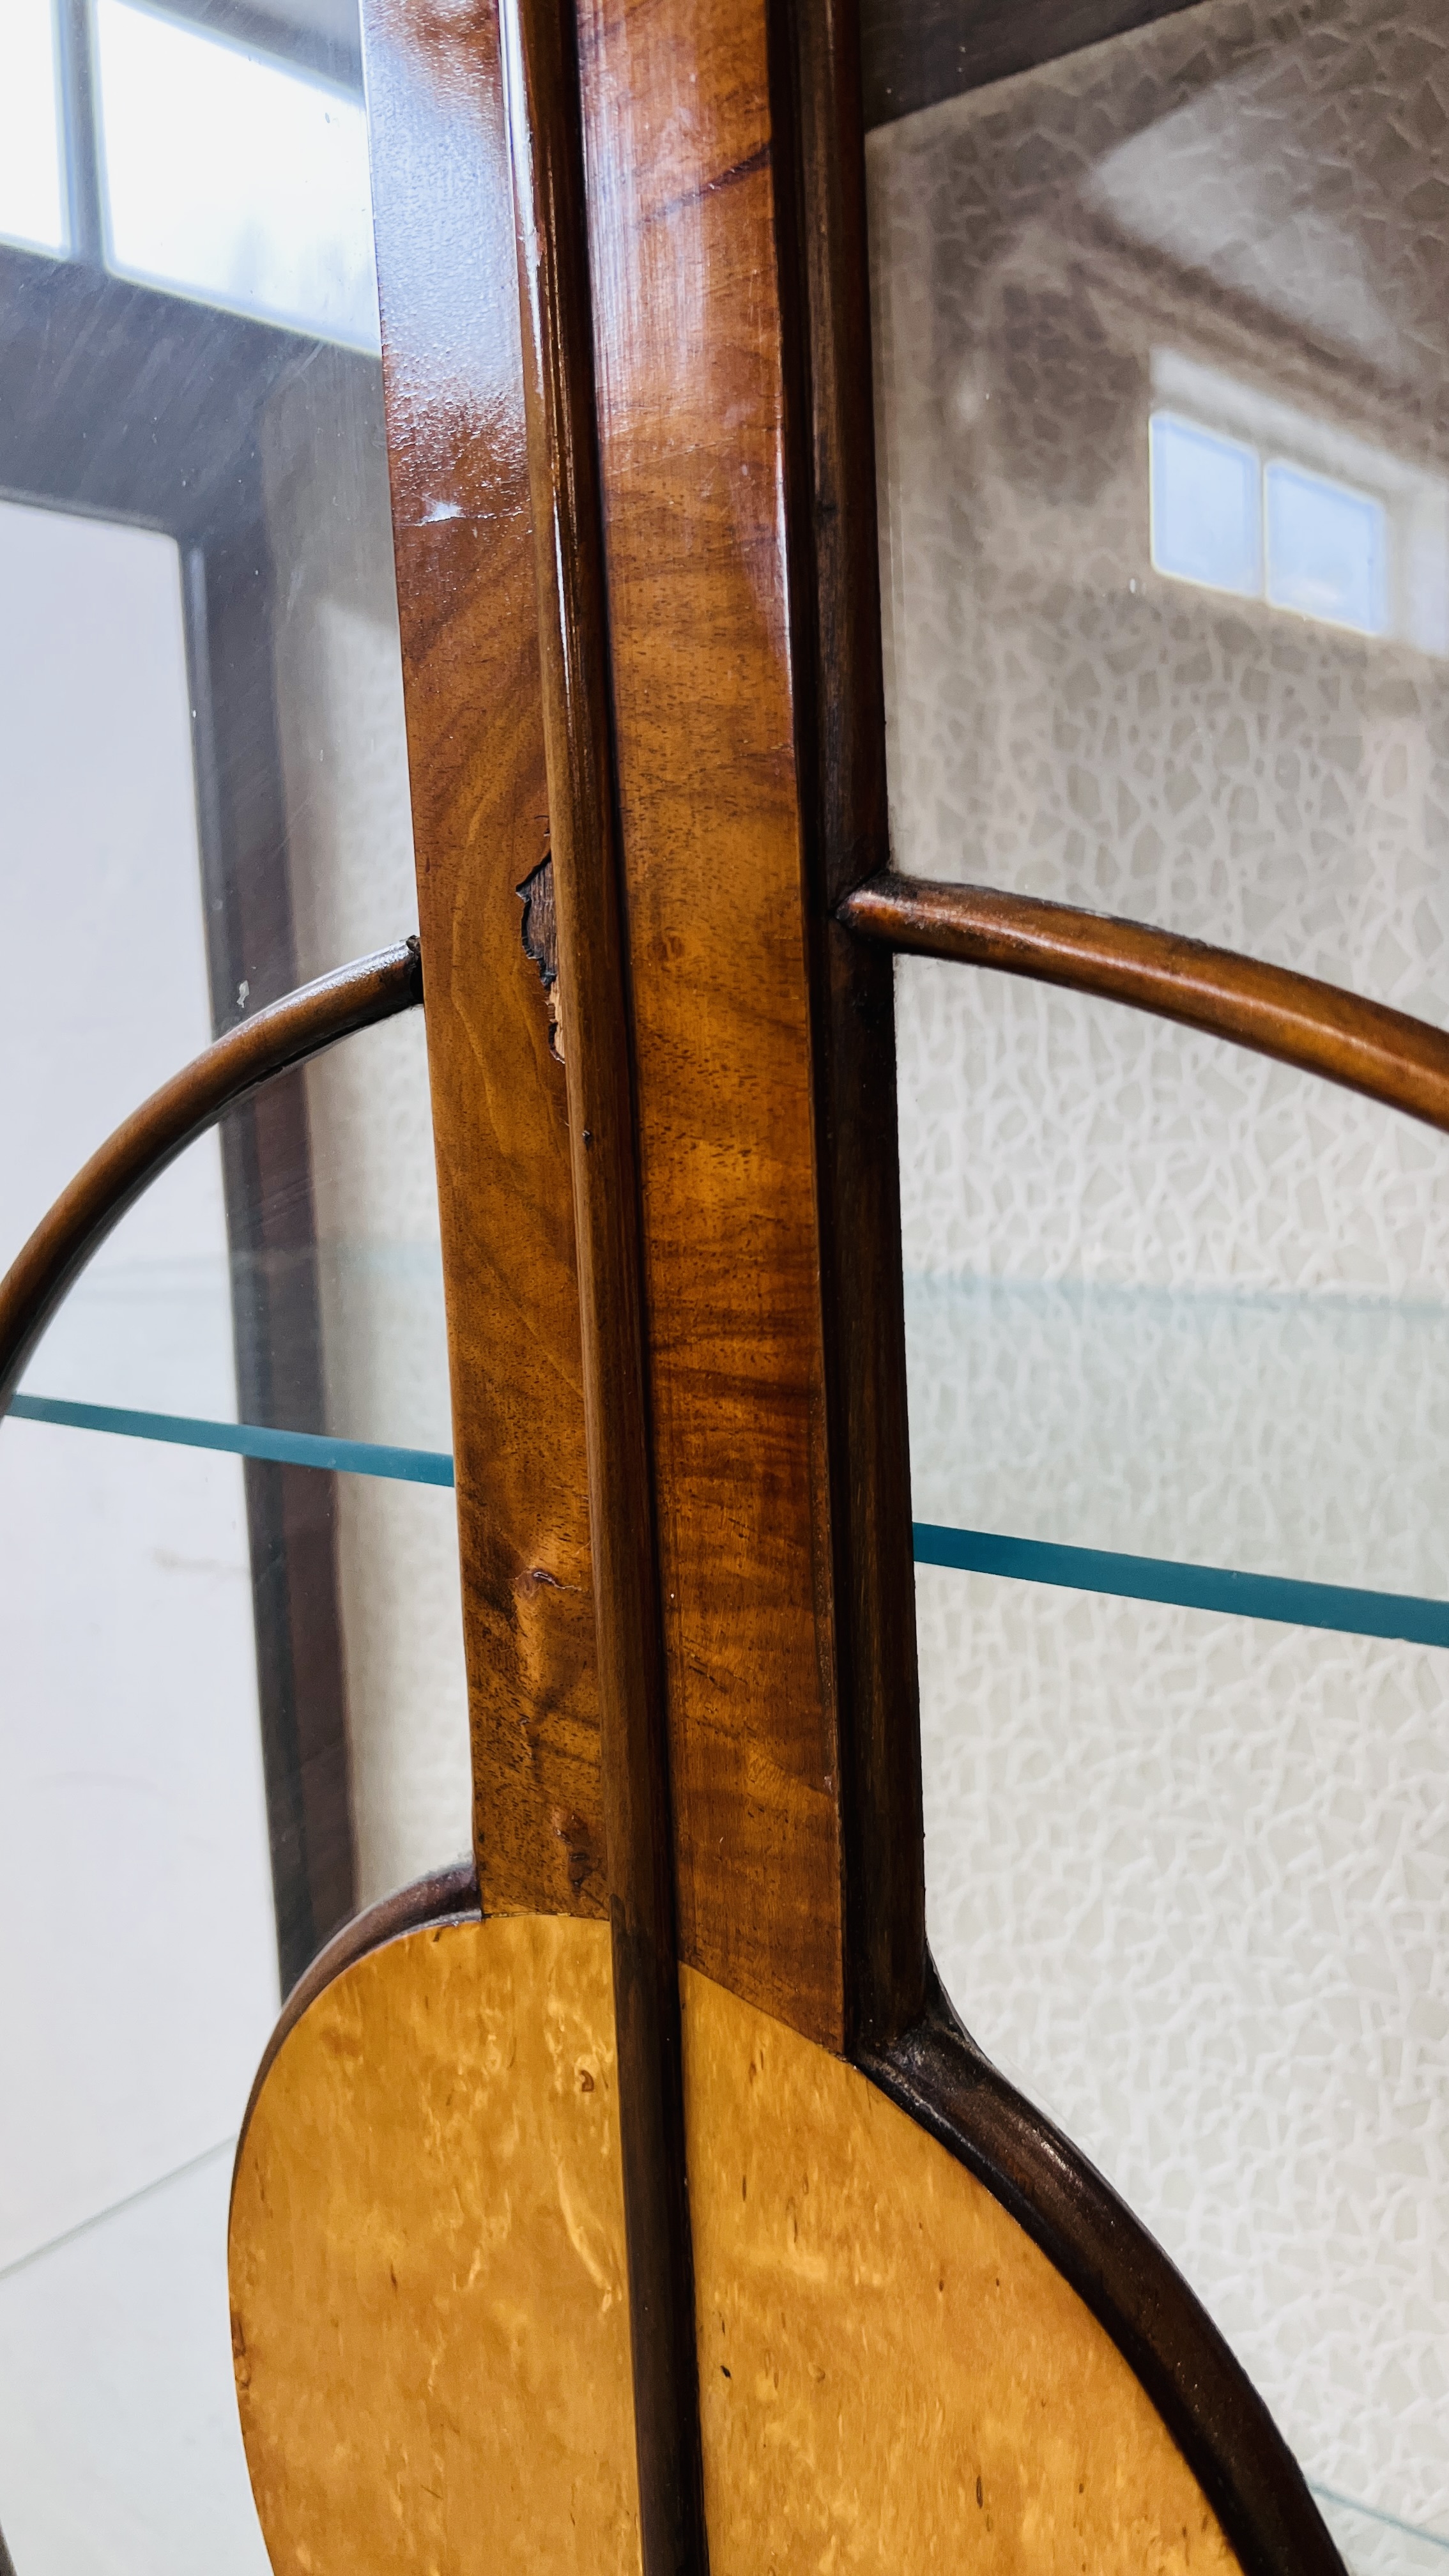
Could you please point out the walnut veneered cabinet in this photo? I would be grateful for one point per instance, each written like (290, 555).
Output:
(925, 490)
(680, 2085)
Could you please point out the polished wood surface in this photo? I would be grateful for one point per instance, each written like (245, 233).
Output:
(541, 88)
(467, 598)
(691, 403)
(286, 1033)
(892, 2374)
(430, 2320)
(1318, 1028)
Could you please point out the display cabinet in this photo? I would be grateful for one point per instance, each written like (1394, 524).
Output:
(922, 571)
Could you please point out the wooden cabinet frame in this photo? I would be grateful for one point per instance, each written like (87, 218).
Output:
(688, 1386)
(623, 272)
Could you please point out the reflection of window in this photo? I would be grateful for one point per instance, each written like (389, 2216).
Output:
(32, 179)
(1206, 510)
(1251, 496)
(226, 173)
(1327, 548)
(1222, 518)
(235, 177)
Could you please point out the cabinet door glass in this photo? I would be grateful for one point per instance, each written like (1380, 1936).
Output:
(234, 1706)
(1160, 357)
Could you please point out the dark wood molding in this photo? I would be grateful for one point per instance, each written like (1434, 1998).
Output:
(276, 1304)
(915, 52)
(545, 144)
(286, 1033)
(447, 1895)
(840, 758)
(302, 1704)
(936, 2073)
(1318, 1028)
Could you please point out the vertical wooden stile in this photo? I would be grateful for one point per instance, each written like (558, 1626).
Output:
(541, 92)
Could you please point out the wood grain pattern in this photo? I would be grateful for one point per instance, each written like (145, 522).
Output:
(678, 139)
(1319, 1028)
(541, 89)
(464, 549)
(446, 1895)
(892, 2374)
(430, 2324)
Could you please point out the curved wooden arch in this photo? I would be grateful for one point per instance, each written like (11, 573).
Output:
(1318, 1028)
(934, 2070)
(286, 1033)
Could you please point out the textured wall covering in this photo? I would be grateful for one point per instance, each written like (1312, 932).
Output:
(1297, 1436)
(1189, 1878)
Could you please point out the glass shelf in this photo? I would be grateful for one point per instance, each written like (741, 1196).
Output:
(1300, 1438)
(147, 1341)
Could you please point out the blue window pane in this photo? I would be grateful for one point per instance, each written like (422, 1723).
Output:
(1206, 512)
(1327, 550)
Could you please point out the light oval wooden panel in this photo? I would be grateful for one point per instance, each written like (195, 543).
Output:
(429, 2303)
(891, 2374)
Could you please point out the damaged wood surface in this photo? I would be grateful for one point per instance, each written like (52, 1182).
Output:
(540, 943)
(467, 600)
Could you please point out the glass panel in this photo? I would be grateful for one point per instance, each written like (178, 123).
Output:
(1161, 351)
(32, 177)
(136, 1916)
(347, 1310)
(1167, 1299)
(95, 637)
(107, 869)
(1163, 229)
(235, 1704)
(1327, 549)
(284, 1273)
(231, 176)
(1187, 1880)
(1205, 506)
